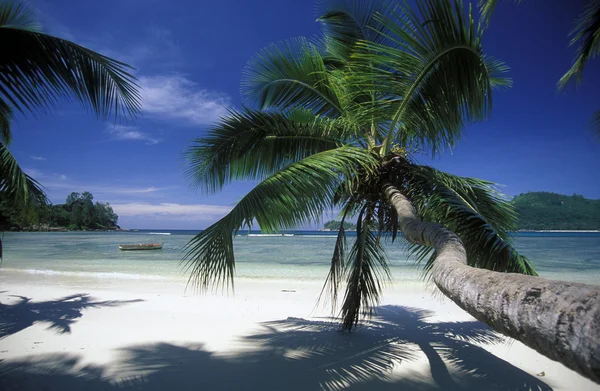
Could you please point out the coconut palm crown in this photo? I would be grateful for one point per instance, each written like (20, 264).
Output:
(330, 122)
(37, 71)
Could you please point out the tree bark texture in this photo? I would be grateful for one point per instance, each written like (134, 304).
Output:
(560, 320)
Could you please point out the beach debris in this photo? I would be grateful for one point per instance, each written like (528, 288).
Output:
(541, 374)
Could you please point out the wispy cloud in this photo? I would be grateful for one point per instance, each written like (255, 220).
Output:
(34, 172)
(37, 157)
(176, 97)
(182, 212)
(124, 132)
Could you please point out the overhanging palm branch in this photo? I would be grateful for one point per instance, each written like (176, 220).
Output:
(471, 208)
(37, 70)
(290, 74)
(254, 144)
(21, 191)
(586, 34)
(297, 194)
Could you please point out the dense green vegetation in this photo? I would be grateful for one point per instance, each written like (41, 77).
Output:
(79, 212)
(548, 211)
(334, 225)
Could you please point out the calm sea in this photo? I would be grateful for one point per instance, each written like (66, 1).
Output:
(299, 255)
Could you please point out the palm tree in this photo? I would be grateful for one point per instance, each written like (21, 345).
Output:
(37, 71)
(337, 125)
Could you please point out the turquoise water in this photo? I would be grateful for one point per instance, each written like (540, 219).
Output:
(301, 255)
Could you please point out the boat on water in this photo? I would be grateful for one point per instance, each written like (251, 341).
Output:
(141, 246)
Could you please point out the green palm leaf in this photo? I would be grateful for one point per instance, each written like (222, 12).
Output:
(587, 33)
(347, 22)
(38, 70)
(253, 145)
(290, 74)
(21, 191)
(471, 208)
(431, 77)
(367, 268)
(595, 123)
(297, 194)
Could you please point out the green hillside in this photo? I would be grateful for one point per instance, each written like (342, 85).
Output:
(551, 211)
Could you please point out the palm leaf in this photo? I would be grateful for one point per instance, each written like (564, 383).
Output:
(586, 33)
(6, 116)
(367, 268)
(290, 74)
(432, 75)
(253, 145)
(471, 208)
(297, 194)
(346, 22)
(595, 124)
(21, 191)
(38, 70)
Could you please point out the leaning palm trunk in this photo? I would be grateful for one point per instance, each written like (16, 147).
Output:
(560, 320)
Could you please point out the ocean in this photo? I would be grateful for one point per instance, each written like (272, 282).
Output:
(298, 255)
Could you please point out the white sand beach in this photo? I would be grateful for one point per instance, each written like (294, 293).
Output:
(72, 333)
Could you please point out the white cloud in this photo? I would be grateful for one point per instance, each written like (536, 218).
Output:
(63, 177)
(123, 132)
(37, 157)
(188, 212)
(174, 96)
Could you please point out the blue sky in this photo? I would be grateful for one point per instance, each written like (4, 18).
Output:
(189, 56)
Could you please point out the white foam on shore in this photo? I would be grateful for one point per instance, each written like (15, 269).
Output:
(111, 275)
(159, 233)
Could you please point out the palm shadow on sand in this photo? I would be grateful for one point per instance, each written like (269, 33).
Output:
(60, 314)
(297, 354)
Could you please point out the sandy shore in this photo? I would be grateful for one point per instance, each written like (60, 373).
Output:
(72, 334)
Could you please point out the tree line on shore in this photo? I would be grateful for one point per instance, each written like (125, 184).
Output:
(79, 212)
(538, 211)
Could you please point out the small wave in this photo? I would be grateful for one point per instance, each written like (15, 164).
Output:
(117, 275)
(159, 233)
(265, 235)
(317, 236)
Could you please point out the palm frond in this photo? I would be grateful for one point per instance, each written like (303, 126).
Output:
(595, 124)
(346, 22)
(297, 194)
(290, 74)
(431, 77)
(338, 265)
(471, 208)
(18, 15)
(38, 70)
(487, 8)
(367, 269)
(22, 192)
(586, 33)
(6, 116)
(254, 144)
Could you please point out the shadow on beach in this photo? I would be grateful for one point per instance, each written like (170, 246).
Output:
(60, 314)
(296, 354)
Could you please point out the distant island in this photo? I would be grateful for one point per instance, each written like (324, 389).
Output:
(539, 211)
(78, 213)
(334, 225)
